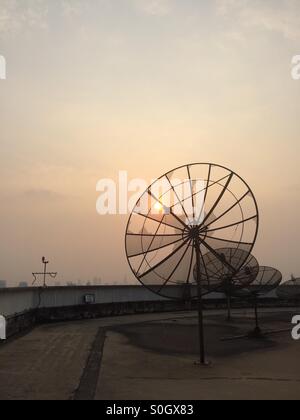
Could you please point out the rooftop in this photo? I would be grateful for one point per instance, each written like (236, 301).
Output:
(152, 356)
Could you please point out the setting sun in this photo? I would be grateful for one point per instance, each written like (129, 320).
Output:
(158, 207)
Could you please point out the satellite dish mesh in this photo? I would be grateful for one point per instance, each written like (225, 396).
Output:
(289, 289)
(268, 279)
(217, 276)
(186, 214)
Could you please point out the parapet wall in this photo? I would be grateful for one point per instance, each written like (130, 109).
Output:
(18, 300)
(23, 308)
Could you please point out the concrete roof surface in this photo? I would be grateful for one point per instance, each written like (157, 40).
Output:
(152, 357)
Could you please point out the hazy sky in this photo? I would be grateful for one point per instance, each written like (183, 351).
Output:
(98, 86)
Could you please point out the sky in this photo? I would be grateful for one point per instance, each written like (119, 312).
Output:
(98, 86)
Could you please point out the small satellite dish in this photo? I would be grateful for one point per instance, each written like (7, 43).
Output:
(216, 275)
(267, 280)
(289, 290)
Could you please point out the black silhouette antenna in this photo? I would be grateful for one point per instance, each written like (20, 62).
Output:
(44, 273)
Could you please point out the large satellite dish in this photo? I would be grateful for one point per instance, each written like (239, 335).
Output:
(194, 209)
(188, 212)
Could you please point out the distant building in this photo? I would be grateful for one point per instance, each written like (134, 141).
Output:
(97, 281)
(23, 284)
(3, 284)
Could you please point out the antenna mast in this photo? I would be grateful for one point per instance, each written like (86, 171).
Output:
(44, 273)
